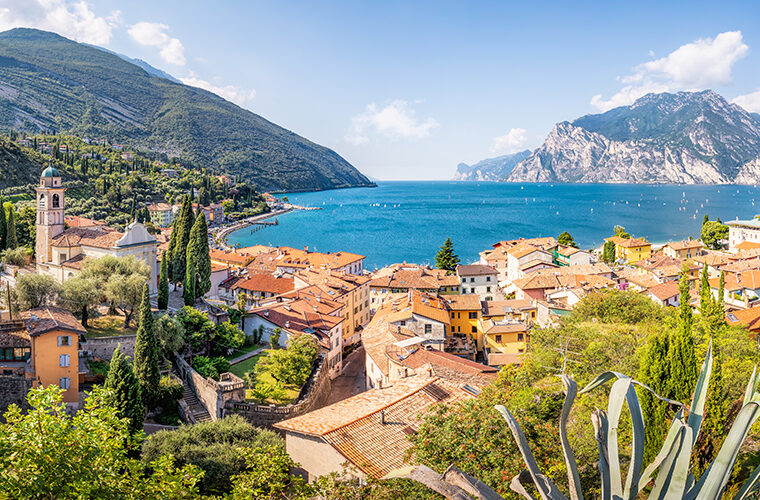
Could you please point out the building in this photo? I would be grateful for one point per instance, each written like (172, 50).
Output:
(400, 278)
(465, 314)
(76, 221)
(291, 260)
(60, 251)
(499, 256)
(256, 287)
(161, 214)
(233, 259)
(369, 431)
(749, 318)
(631, 250)
(742, 290)
(350, 289)
(43, 345)
(304, 311)
(742, 230)
(685, 249)
(665, 294)
(479, 279)
(571, 256)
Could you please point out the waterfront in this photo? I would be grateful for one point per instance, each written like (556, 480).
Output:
(409, 220)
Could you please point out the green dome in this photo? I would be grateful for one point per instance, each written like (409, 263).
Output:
(51, 171)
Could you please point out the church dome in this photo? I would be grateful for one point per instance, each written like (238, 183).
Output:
(51, 171)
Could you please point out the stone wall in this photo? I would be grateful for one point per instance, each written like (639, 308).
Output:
(103, 347)
(314, 395)
(206, 389)
(13, 389)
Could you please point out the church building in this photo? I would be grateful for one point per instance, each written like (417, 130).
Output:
(61, 251)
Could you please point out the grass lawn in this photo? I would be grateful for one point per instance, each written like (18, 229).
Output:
(243, 350)
(240, 369)
(108, 326)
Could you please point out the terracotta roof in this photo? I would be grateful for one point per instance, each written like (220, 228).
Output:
(747, 245)
(537, 262)
(75, 262)
(739, 281)
(504, 358)
(640, 278)
(713, 259)
(233, 258)
(46, 319)
(742, 265)
(475, 270)
(422, 357)
(464, 302)
(371, 429)
(14, 334)
(255, 250)
(523, 249)
(418, 279)
(404, 306)
(746, 317)
(503, 307)
(664, 291)
(292, 257)
(159, 207)
(633, 243)
(101, 237)
(684, 244)
(76, 221)
(491, 327)
(265, 283)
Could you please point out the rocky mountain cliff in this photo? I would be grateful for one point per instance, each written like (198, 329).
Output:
(52, 84)
(491, 169)
(686, 137)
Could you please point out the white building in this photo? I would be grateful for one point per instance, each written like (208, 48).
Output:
(480, 280)
(60, 252)
(742, 230)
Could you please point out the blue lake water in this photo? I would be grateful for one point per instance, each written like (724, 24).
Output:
(407, 221)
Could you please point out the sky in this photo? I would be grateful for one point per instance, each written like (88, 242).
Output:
(407, 90)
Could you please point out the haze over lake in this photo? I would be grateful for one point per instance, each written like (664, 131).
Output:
(407, 221)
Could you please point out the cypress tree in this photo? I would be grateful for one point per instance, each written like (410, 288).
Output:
(163, 284)
(721, 293)
(713, 430)
(179, 254)
(146, 352)
(705, 296)
(608, 254)
(446, 259)
(683, 360)
(11, 241)
(125, 395)
(3, 229)
(198, 251)
(654, 372)
(191, 278)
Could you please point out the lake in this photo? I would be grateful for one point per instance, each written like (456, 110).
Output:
(407, 221)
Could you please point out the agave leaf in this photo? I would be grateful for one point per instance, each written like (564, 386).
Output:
(599, 420)
(637, 443)
(607, 376)
(516, 484)
(677, 423)
(431, 479)
(697, 411)
(751, 386)
(573, 478)
(545, 487)
(614, 408)
(714, 480)
(470, 485)
(749, 485)
(671, 479)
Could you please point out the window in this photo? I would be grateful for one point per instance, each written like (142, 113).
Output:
(452, 314)
(459, 315)
(428, 328)
(472, 280)
(473, 315)
(488, 289)
(62, 258)
(498, 339)
(402, 323)
(64, 340)
(42, 201)
(64, 383)
(520, 337)
(56, 201)
(474, 329)
(488, 278)
(63, 360)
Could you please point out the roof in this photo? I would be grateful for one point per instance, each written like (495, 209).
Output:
(371, 429)
(75, 262)
(416, 303)
(14, 334)
(664, 291)
(504, 358)
(292, 257)
(746, 317)
(159, 207)
(491, 327)
(419, 278)
(76, 221)
(51, 171)
(632, 242)
(234, 258)
(265, 283)
(463, 302)
(475, 270)
(637, 277)
(685, 244)
(752, 223)
(747, 245)
(503, 307)
(46, 319)
(739, 281)
(99, 237)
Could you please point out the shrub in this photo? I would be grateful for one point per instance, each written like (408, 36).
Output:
(210, 367)
(170, 391)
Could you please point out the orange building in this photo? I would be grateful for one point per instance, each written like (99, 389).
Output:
(44, 345)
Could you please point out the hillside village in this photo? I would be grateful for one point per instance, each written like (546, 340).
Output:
(376, 349)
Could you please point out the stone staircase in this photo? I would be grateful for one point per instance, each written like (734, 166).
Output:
(198, 412)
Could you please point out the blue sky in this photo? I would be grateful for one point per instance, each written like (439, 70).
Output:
(407, 90)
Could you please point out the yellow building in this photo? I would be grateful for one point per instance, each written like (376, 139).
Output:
(465, 315)
(44, 346)
(505, 330)
(631, 250)
(685, 249)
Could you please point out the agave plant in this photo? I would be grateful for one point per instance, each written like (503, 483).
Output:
(673, 480)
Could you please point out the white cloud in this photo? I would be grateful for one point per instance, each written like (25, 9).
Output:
(750, 102)
(697, 65)
(511, 142)
(153, 35)
(396, 120)
(71, 19)
(230, 92)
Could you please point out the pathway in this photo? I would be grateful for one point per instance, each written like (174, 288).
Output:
(247, 355)
(197, 410)
(352, 381)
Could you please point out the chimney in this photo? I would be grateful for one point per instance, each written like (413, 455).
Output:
(315, 308)
(287, 307)
(382, 417)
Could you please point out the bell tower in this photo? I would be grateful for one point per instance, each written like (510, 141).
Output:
(50, 209)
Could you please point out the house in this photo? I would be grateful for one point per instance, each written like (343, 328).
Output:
(749, 318)
(742, 230)
(741, 289)
(349, 289)
(571, 256)
(60, 251)
(498, 257)
(291, 259)
(169, 172)
(631, 250)
(685, 249)
(505, 330)
(304, 311)
(256, 287)
(233, 259)
(128, 156)
(478, 279)
(526, 257)
(400, 278)
(665, 294)
(161, 214)
(43, 345)
(369, 431)
(748, 245)
(465, 314)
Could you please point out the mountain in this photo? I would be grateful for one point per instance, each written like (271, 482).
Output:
(686, 137)
(50, 83)
(139, 62)
(491, 169)
(17, 165)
